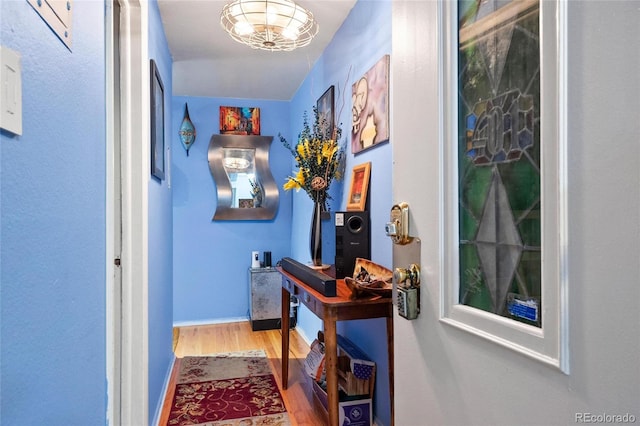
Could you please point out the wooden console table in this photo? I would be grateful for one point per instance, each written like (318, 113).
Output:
(330, 310)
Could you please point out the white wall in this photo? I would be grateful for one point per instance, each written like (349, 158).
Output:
(447, 376)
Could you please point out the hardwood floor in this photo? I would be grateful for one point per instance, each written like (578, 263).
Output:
(210, 339)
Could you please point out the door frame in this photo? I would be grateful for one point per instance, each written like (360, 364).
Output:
(127, 76)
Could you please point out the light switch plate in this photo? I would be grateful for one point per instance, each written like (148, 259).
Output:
(10, 91)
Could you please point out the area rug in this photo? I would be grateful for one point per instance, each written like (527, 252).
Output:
(229, 389)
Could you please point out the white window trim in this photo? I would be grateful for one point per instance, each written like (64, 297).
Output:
(548, 344)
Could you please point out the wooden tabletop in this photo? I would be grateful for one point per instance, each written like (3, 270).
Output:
(365, 306)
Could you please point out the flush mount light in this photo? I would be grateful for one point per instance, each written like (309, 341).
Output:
(236, 163)
(275, 25)
(238, 160)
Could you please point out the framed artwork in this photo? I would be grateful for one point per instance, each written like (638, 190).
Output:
(157, 123)
(239, 120)
(326, 115)
(505, 176)
(370, 108)
(359, 187)
(245, 203)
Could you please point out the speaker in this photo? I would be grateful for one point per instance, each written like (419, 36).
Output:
(352, 240)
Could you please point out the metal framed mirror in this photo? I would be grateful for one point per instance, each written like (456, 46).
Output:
(245, 186)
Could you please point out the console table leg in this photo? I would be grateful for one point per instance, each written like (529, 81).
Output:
(284, 320)
(331, 364)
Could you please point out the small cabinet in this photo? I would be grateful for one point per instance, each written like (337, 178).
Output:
(265, 296)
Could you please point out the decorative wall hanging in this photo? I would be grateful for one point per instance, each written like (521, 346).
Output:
(187, 130)
(326, 114)
(359, 188)
(157, 123)
(239, 120)
(507, 270)
(370, 107)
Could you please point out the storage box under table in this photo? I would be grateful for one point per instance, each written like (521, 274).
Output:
(356, 412)
(356, 379)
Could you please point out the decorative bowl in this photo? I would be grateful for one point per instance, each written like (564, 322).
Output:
(368, 279)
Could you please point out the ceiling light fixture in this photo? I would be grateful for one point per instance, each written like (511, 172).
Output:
(275, 25)
(238, 160)
(236, 163)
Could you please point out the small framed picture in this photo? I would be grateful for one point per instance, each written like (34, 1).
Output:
(157, 123)
(359, 187)
(245, 203)
(239, 120)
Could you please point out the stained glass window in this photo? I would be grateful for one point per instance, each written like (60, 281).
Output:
(499, 158)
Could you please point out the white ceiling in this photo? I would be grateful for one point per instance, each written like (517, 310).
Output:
(208, 62)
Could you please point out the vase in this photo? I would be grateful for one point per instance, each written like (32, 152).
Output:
(257, 200)
(316, 234)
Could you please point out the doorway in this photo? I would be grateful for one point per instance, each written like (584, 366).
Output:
(127, 113)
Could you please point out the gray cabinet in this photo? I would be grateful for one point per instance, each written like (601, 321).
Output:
(265, 297)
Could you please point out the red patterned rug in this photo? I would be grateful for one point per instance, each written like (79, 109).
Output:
(230, 389)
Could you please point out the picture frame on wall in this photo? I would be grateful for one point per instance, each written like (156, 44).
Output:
(157, 123)
(326, 115)
(239, 120)
(370, 108)
(359, 188)
(245, 203)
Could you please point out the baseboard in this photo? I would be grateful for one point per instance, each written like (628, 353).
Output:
(256, 325)
(209, 321)
(301, 333)
(163, 395)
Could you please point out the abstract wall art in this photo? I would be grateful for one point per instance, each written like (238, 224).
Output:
(370, 107)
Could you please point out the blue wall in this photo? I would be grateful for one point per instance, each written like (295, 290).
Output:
(52, 222)
(160, 290)
(211, 258)
(363, 39)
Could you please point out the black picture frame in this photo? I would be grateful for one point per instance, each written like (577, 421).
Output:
(326, 114)
(157, 123)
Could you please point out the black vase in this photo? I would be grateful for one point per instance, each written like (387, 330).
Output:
(316, 234)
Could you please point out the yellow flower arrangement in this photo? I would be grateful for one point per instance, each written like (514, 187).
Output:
(319, 159)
